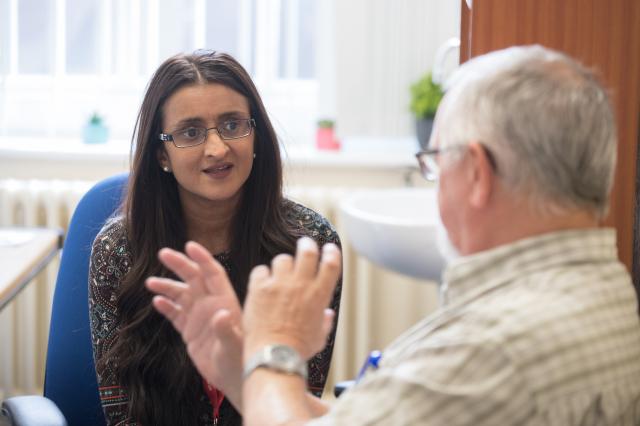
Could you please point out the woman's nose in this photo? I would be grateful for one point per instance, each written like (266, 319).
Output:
(214, 145)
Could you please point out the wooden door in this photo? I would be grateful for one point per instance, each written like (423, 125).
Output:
(603, 34)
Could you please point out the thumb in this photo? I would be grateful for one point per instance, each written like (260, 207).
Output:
(224, 326)
(327, 321)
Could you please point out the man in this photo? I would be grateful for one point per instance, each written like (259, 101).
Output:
(540, 321)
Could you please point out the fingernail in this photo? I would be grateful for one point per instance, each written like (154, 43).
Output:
(329, 248)
(306, 243)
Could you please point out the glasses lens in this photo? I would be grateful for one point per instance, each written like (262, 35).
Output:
(189, 137)
(234, 129)
(428, 166)
(433, 170)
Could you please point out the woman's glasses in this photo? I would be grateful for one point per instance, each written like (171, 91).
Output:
(192, 136)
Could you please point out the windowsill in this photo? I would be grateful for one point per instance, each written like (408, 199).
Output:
(355, 152)
(57, 149)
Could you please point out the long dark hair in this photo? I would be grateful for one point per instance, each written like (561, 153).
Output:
(150, 358)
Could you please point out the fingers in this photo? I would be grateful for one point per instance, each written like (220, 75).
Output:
(329, 270)
(212, 272)
(259, 273)
(327, 321)
(307, 253)
(281, 265)
(172, 311)
(224, 326)
(171, 300)
(257, 276)
(169, 288)
(198, 268)
(303, 266)
(183, 267)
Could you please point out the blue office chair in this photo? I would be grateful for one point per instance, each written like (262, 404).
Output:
(70, 387)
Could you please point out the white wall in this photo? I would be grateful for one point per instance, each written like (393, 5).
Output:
(382, 46)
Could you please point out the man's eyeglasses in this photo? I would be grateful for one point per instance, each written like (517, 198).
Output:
(192, 136)
(429, 167)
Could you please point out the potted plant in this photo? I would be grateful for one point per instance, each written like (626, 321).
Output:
(95, 130)
(425, 98)
(325, 136)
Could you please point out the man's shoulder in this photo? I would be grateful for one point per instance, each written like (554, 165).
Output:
(555, 324)
(546, 311)
(570, 292)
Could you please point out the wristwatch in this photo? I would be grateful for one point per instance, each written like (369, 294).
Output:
(280, 358)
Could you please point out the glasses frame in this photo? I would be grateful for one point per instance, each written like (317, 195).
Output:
(167, 137)
(429, 168)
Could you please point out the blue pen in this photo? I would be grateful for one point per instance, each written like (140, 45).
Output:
(372, 361)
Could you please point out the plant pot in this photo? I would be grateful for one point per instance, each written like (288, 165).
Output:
(95, 133)
(325, 139)
(423, 131)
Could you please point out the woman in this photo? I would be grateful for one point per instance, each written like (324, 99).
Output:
(206, 168)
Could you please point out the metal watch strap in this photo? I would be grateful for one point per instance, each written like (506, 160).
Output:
(280, 358)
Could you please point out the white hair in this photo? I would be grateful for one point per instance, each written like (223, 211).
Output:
(545, 119)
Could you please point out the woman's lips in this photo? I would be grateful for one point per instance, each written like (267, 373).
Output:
(218, 172)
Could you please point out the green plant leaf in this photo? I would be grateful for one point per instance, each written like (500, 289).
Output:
(425, 97)
(326, 124)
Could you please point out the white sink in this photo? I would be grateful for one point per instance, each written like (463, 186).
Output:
(396, 229)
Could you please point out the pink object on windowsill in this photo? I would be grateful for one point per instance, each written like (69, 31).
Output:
(325, 139)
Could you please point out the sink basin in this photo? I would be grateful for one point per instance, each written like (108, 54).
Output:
(396, 229)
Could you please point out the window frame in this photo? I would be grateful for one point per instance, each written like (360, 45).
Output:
(126, 76)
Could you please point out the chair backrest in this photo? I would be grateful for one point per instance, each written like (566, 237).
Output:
(70, 378)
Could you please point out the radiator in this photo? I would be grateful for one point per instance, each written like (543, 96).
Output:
(370, 298)
(24, 324)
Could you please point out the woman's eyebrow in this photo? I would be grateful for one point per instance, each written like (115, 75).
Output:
(198, 121)
(233, 114)
(189, 121)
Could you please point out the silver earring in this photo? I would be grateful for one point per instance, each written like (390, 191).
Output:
(254, 155)
(166, 169)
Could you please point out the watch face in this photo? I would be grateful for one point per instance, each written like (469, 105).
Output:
(283, 354)
(280, 358)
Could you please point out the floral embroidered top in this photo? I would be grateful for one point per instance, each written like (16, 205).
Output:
(110, 262)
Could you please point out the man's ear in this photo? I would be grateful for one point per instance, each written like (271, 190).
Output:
(482, 175)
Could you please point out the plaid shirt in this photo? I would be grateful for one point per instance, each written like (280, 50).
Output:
(543, 331)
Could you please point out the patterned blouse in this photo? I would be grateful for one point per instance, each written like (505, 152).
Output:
(111, 260)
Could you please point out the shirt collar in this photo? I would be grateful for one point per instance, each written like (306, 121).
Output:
(489, 268)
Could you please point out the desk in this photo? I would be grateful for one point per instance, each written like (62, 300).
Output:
(24, 252)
